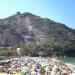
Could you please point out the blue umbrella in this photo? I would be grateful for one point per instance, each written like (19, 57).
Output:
(26, 70)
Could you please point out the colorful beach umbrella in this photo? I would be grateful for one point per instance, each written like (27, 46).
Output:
(18, 73)
(3, 73)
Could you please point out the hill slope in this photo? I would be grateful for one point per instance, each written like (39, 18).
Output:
(31, 29)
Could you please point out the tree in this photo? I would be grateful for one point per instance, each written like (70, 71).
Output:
(25, 49)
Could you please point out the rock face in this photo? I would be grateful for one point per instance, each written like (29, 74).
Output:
(31, 29)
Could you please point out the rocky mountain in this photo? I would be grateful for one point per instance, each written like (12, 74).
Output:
(32, 29)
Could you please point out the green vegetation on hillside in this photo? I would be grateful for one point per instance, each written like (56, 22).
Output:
(33, 34)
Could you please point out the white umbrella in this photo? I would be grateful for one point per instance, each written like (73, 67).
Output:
(72, 74)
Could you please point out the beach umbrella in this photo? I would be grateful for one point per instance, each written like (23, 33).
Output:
(9, 68)
(18, 73)
(36, 73)
(52, 73)
(72, 74)
(3, 73)
(1, 67)
(25, 70)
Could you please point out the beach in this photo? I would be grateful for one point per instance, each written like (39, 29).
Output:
(26, 65)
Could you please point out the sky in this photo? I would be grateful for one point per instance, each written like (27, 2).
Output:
(62, 11)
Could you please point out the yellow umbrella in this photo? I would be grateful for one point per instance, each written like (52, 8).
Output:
(52, 73)
(18, 73)
(3, 73)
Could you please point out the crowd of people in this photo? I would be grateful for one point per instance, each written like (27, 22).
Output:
(35, 66)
